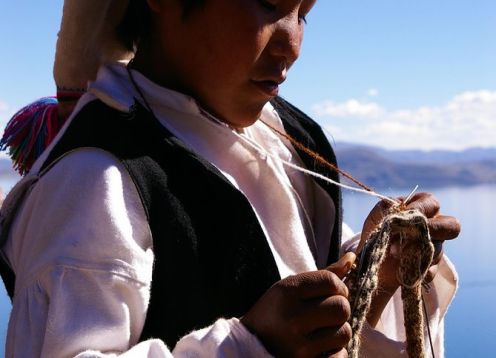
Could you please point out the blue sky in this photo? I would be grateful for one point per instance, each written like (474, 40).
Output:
(395, 73)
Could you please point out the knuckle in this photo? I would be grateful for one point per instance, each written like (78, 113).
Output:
(342, 308)
(329, 279)
(289, 286)
(433, 201)
(425, 203)
(333, 281)
(346, 333)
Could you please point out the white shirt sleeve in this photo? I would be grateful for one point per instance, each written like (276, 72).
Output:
(82, 251)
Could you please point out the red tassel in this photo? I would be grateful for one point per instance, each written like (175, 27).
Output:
(30, 131)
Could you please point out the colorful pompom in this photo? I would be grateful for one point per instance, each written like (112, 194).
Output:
(30, 131)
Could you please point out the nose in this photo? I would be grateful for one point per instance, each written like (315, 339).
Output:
(287, 38)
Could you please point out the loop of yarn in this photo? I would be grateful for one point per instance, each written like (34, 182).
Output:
(416, 253)
(34, 127)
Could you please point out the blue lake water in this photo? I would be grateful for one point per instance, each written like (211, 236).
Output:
(470, 322)
(470, 329)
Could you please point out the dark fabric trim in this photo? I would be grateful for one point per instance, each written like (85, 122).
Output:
(301, 127)
(211, 256)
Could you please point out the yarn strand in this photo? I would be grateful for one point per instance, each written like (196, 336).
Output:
(317, 157)
(426, 315)
(363, 284)
(262, 151)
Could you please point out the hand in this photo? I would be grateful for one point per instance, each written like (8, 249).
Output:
(305, 315)
(441, 228)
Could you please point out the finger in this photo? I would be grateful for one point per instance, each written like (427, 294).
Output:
(343, 266)
(414, 197)
(375, 216)
(340, 354)
(426, 203)
(330, 312)
(330, 340)
(444, 227)
(318, 284)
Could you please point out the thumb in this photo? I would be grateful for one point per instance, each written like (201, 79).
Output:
(343, 265)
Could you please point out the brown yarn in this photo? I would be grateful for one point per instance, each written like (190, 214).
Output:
(317, 156)
(416, 252)
(362, 282)
(416, 256)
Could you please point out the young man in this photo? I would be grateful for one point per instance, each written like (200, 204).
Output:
(163, 221)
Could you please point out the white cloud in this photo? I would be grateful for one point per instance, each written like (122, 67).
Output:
(468, 120)
(373, 92)
(350, 108)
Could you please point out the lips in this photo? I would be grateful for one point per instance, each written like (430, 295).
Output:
(269, 86)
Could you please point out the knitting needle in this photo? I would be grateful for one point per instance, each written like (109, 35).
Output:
(410, 195)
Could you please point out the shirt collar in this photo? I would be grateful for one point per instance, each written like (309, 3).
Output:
(114, 87)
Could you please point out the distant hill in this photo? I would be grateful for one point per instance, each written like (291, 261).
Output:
(381, 168)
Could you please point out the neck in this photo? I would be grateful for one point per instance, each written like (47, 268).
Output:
(159, 71)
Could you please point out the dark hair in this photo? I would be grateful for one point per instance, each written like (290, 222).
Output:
(136, 23)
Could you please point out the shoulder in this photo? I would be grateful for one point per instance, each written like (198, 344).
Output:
(82, 166)
(86, 198)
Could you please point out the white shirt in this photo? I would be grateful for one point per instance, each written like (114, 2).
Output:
(82, 249)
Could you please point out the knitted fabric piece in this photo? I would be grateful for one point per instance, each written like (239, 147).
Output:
(416, 253)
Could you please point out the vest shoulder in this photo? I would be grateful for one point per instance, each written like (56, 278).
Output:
(291, 113)
(97, 125)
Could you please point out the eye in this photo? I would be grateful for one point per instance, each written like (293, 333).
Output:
(267, 5)
(273, 7)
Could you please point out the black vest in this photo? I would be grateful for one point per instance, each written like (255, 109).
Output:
(211, 256)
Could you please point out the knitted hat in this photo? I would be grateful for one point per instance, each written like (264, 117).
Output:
(86, 40)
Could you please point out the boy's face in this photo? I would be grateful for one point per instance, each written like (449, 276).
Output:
(230, 55)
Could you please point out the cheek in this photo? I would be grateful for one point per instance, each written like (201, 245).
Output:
(235, 38)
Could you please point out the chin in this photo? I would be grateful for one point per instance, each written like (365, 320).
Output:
(241, 116)
(243, 122)
(245, 117)
(250, 118)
